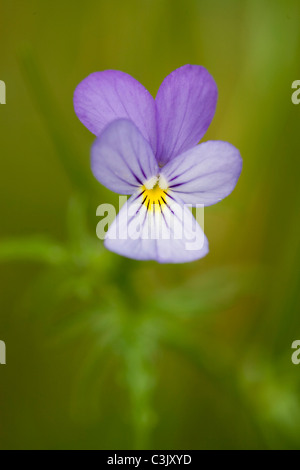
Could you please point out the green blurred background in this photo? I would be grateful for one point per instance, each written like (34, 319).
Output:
(109, 353)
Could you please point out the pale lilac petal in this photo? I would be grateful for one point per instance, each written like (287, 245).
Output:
(105, 96)
(169, 235)
(186, 103)
(122, 160)
(205, 174)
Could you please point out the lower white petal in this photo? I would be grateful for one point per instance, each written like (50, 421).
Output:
(164, 231)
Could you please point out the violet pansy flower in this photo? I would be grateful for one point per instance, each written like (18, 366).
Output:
(147, 148)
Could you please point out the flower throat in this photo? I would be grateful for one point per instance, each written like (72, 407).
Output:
(154, 193)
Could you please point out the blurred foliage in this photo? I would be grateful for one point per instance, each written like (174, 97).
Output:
(105, 352)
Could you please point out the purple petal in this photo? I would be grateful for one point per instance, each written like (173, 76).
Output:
(167, 235)
(186, 103)
(122, 159)
(105, 96)
(204, 174)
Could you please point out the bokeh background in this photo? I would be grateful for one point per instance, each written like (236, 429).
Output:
(109, 353)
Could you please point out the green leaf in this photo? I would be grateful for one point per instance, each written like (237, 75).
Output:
(35, 248)
(215, 290)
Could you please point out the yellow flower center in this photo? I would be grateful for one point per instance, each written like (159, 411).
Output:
(154, 199)
(154, 193)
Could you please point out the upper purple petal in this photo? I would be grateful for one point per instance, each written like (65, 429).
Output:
(186, 103)
(204, 174)
(122, 159)
(105, 96)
